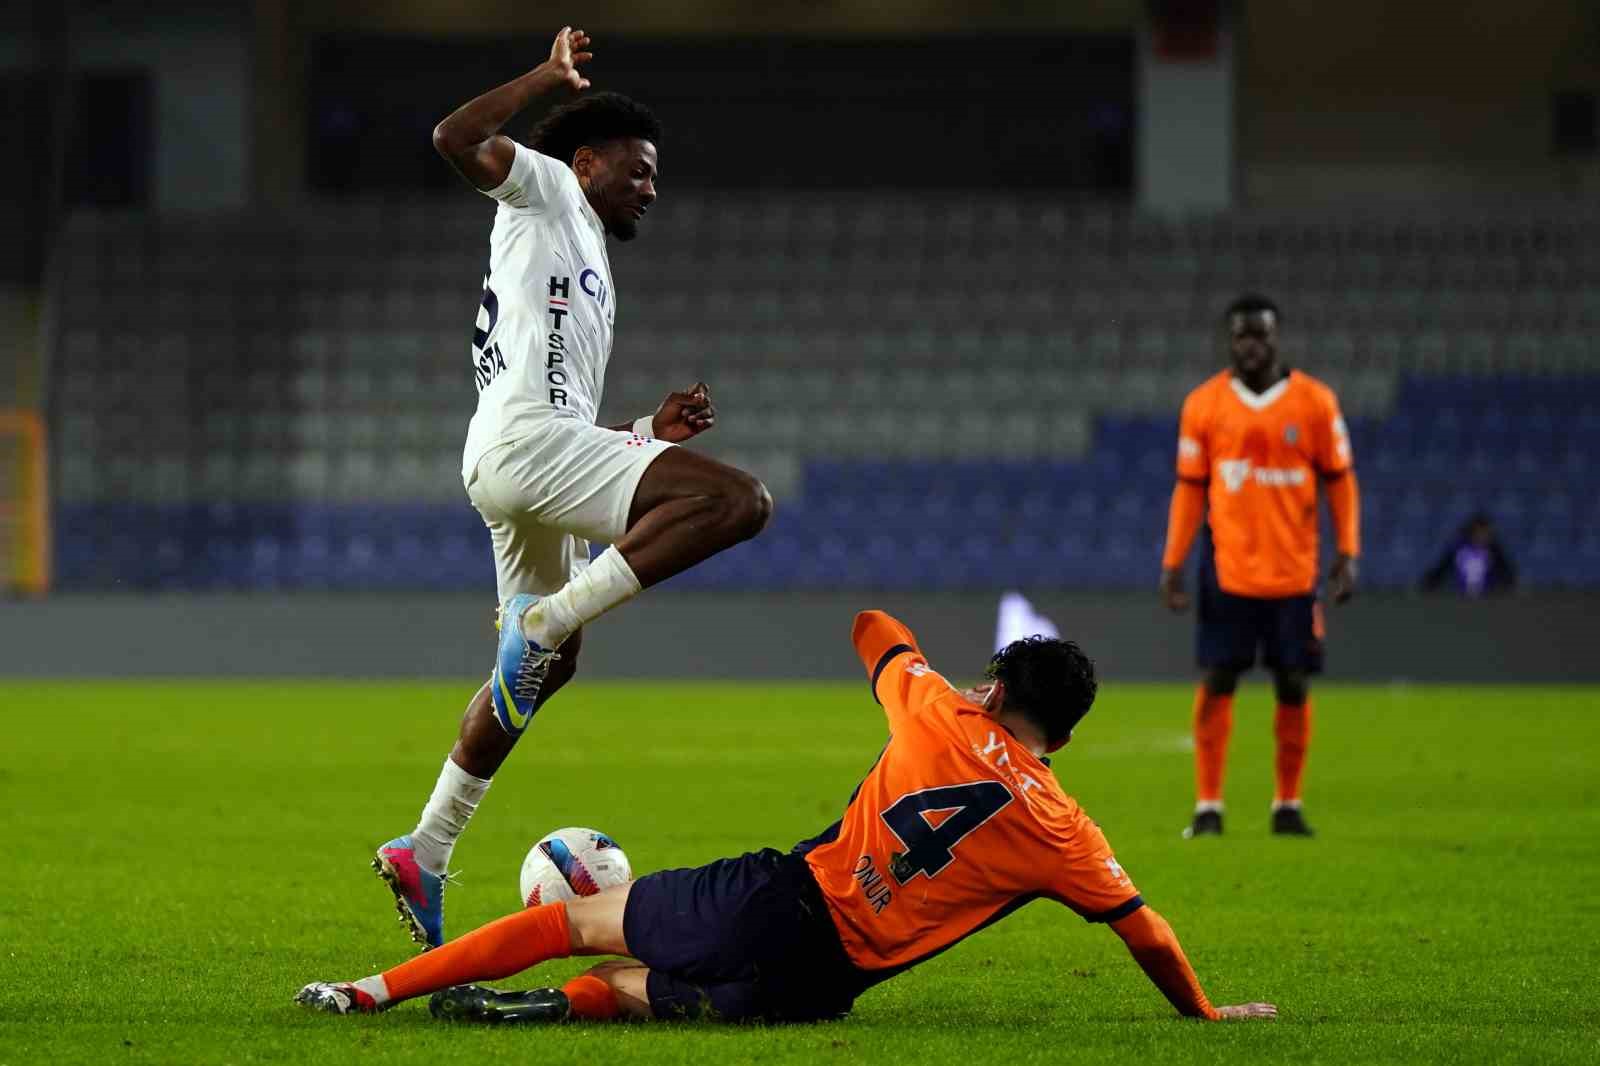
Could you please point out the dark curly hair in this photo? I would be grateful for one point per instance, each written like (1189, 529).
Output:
(1050, 681)
(593, 120)
(1250, 303)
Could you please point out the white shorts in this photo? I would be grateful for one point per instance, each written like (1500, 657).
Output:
(545, 496)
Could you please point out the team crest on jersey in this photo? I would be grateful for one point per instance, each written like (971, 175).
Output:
(1291, 434)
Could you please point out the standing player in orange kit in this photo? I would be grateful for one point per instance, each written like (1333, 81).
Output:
(959, 823)
(1254, 442)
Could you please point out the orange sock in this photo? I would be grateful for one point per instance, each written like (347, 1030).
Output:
(1292, 726)
(1213, 724)
(503, 947)
(591, 998)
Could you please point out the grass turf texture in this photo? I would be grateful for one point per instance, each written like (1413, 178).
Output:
(183, 856)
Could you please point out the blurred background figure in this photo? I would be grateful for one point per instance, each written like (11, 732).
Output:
(1475, 564)
(1018, 619)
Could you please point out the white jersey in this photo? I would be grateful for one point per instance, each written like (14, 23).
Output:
(543, 335)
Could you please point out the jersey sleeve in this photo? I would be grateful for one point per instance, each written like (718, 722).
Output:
(1194, 459)
(1333, 438)
(899, 674)
(536, 183)
(1089, 879)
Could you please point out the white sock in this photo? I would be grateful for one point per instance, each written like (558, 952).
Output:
(1279, 804)
(449, 809)
(603, 584)
(374, 987)
(1208, 805)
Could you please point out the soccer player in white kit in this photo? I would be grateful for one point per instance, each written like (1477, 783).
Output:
(546, 479)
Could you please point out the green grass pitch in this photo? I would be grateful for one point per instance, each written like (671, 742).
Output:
(181, 857)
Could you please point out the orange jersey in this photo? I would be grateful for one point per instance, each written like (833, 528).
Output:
(1261, 457)
(955, 826)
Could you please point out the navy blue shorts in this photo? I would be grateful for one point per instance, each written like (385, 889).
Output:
(1286, 632)
(746, 939)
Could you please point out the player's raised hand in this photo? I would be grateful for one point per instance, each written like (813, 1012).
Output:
(685, 414)
(1247, 1011)
(569, 53)
(1342, 579)
(1172, 593)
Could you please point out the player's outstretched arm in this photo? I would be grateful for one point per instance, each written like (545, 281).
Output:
(470, 137)
(1155, 948)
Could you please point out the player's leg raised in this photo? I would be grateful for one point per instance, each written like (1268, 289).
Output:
(661, 508)
(687, 508)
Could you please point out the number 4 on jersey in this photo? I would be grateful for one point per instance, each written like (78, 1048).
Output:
(929, 847)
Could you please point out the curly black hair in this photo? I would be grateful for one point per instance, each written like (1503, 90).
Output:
(1251, 303)
(590, 121)
(1050, 681)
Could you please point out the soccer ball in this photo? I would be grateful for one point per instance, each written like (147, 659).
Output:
(570, 863)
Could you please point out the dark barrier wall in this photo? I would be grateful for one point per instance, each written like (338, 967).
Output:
(670, 634)
(782, 112)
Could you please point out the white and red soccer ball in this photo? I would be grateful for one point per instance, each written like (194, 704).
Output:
(570, 863)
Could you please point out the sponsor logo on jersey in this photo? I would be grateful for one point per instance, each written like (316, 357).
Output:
(555, 356)
(1236, 472)
(594, 285)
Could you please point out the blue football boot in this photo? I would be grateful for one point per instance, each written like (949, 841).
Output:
(520, 668)
(418, 894)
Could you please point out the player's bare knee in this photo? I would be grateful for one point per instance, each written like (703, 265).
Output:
(747, 506)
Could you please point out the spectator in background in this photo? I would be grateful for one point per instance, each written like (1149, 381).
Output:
(1475, 564)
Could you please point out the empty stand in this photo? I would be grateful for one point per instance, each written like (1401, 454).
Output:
(942, 390)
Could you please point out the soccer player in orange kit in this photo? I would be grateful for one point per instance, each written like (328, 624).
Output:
(1253, 444)
(958, 823)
